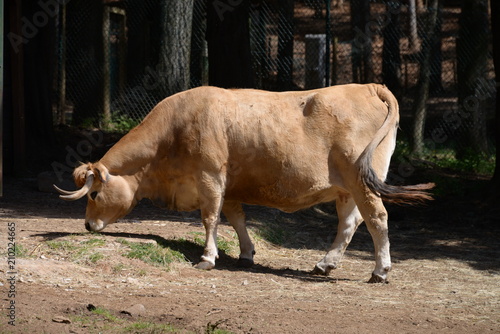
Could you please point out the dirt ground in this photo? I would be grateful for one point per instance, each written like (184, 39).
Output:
(445, 278)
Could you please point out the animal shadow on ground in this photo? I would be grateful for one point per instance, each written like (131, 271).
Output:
(192, 251)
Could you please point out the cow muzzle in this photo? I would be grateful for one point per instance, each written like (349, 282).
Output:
(94, 226)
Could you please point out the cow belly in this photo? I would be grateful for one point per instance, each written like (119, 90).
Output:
(186, 199)
(304, 200)
(181, 195)
(285, 197)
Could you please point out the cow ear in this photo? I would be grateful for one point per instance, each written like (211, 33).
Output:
(80, 174)
(102, 172)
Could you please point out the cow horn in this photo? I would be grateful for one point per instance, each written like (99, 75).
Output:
(77, 194)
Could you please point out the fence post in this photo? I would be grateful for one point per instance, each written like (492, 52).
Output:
(315, 61)
(285, 44)
(328, 40)
(335, 48)
(62, 65)
(106, 82)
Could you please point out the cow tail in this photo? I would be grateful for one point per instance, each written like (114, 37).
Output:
(413, 194)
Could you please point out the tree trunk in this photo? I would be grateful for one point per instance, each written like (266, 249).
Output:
(495, 29)
(391, 56)
(362, 67)
(285, 44)
(420, 110)
(175, 46)
(228, 37)
(414, 42)
(198, 43)
(436, 60)
(472, 57)
(258, 26)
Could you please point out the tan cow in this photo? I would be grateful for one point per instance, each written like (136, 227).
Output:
(213, 149)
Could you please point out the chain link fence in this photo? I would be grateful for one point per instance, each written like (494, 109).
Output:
(435, 58)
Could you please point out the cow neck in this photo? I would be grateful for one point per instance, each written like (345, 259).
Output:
(134, 151)
(134, 154)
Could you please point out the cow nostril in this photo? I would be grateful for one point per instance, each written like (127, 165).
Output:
(87, 227)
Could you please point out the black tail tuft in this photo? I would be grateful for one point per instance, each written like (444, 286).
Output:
(414, 194)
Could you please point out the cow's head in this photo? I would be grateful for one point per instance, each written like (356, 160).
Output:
(110, 197)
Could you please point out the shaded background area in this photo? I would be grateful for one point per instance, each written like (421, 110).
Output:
(105, 64)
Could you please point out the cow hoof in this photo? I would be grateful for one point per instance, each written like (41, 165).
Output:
(323, 269)
(378, 279)
(244, 263)
(204, 265)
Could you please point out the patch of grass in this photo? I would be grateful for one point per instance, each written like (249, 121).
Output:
(469, 161)
(106, 314)
(106, 322)
(82, 320)
(99, 320)
(121, 123)
(94, 242)
(63, 245)
(273, 232)
(152, 253)
(213, 328)
(118, 268)
(94, 257)
(149, 328)
(20, 250)
(88, 123)
(198, 238)
(78, 252)
(227, 246)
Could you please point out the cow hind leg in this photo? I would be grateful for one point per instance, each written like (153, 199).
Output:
(375, 216)
(236, 217)
(349, 220)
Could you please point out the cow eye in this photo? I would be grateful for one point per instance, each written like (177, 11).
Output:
(93, 195)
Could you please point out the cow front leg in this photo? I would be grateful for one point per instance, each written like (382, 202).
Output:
(211, 205)
(349, 220)
(210, 253)
(236, 217)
